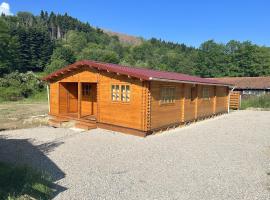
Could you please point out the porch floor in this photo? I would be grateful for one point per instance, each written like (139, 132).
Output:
(75, 117)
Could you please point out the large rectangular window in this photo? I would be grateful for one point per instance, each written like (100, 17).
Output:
(206, 93)
(122, 91)
(167, 95)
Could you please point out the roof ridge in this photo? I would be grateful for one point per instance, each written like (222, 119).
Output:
(137, 72)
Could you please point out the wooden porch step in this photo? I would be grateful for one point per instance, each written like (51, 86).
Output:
(86, 125)
(54, 123)
(59, 122)
(88, 120)
(61, 119)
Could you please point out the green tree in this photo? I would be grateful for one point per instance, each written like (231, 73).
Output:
(212, 60)
(63, 53)
(99, 55)
(76, 40)
(55, 64)
(4, 43)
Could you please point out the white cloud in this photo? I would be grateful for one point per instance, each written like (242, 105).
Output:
(5, 9)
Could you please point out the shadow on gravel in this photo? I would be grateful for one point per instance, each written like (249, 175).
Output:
(23, 152)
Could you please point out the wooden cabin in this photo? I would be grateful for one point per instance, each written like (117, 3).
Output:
(132, 100)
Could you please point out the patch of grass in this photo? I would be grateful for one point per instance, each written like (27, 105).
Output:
(262, 101)
(38, 97)
(22, 182)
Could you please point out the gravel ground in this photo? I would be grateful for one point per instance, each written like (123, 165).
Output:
(222, 158)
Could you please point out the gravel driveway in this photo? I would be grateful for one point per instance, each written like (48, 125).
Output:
(222, 158)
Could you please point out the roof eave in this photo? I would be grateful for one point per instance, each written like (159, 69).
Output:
(190, 82)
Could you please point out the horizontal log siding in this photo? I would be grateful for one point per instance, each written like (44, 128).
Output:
(189, 107)
(205, 105)
(54, 103)
(222, 99)
(127, 114)
(165, 114)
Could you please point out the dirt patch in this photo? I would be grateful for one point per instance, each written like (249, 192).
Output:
(15, 116)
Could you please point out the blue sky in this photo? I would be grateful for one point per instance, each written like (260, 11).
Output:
(188, 21)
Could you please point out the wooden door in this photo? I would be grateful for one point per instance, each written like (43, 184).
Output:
(88, 103)
(72, 97)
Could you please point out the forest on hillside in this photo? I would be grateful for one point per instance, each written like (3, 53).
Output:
(31, 45)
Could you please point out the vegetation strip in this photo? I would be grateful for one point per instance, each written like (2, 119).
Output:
(22, 181)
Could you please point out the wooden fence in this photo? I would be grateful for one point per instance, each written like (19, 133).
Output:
(235, 100)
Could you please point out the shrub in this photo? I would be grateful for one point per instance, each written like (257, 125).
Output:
(15, 86)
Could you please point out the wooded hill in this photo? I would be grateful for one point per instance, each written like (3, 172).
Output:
(50, 41)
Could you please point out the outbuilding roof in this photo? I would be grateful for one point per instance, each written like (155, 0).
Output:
(262, 82)
(140, 73)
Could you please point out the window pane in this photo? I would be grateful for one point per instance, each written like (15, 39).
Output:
(117, 92)
(113, 92)
(127, 93)
(123, 93)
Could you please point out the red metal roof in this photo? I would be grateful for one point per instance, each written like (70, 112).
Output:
(141, 73)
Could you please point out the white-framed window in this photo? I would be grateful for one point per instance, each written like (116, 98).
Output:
(115, 90)
(120, 93)
(125, 93)
(167, 95)
(206, 93)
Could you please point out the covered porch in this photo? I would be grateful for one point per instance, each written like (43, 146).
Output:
(78, 100)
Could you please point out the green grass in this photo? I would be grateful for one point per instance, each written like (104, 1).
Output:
(22, 182)
(39, 97)
(262, 101)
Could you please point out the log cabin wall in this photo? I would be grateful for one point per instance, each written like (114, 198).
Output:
(163, 114)
(144, 111)
(205, 104)
(127, 114)
(132, 114)
(63, 95)
(222, 99)
(54, 98)
(190, 103)
(190, 98)
(61, 101)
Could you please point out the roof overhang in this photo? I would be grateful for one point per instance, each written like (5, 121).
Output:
(124, 70)
(190, 82)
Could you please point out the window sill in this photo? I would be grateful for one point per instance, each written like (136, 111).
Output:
(120, 102)
(167, 104)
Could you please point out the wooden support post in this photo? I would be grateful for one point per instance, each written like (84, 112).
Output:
(48, 98)
(196, 101)
(79, 98)
(58, 96)
(183, 103)
(215, 100)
